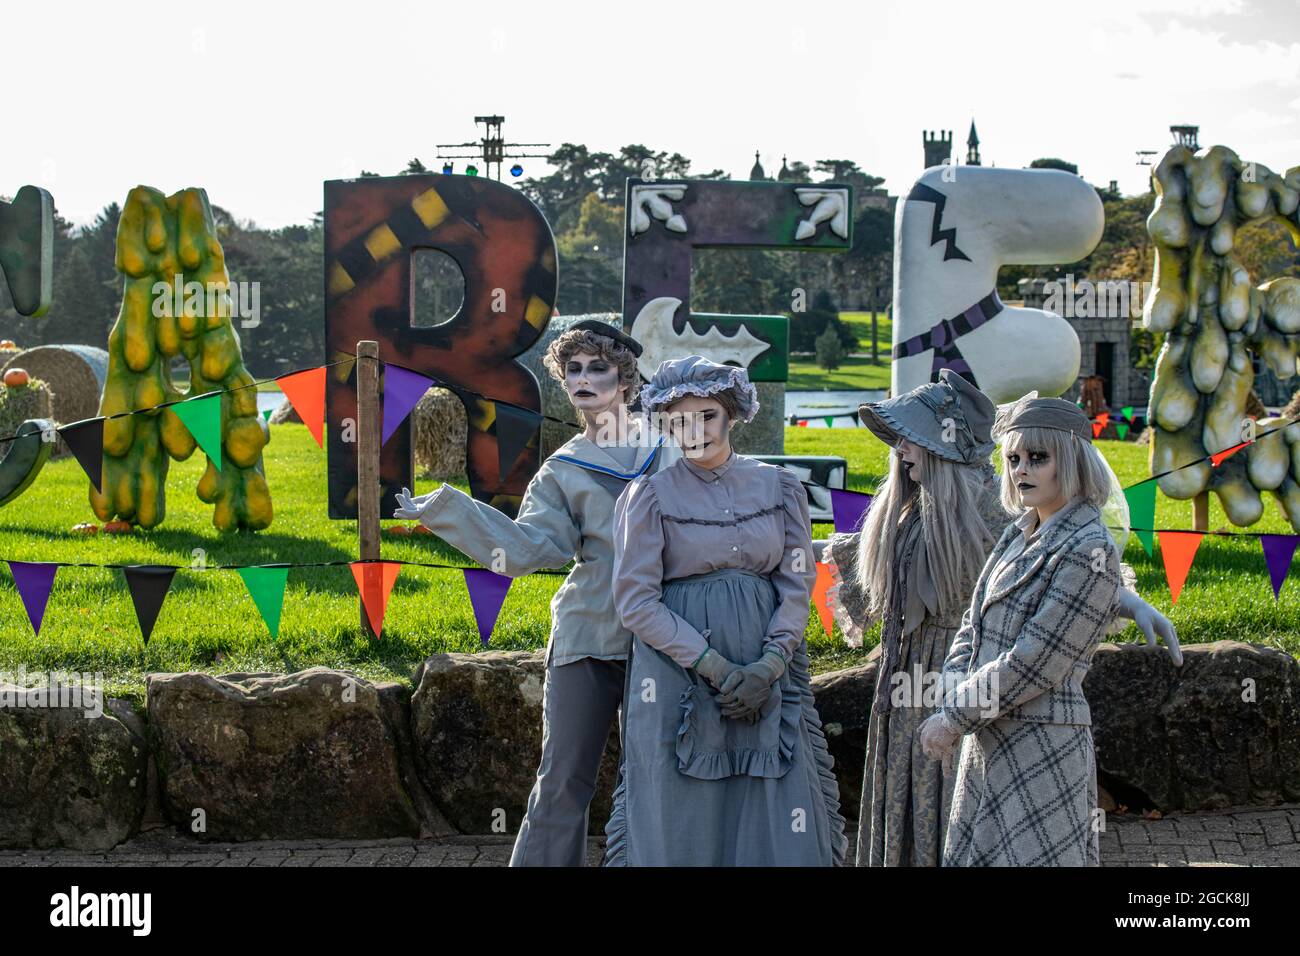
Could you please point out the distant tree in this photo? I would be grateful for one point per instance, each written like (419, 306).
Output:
(830, 351)
(1051, 162)
(414, 168)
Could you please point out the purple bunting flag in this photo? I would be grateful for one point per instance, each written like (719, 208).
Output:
(1279, 549)
(403, 390)
(848, 507)
(487, 592)
(34, 581)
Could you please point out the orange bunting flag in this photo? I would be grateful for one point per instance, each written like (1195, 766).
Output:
(1178, 549)
(1103, 419)
(375, 582)
(819, 598)
(1097, 429)
(306, 391)
(1217, 457)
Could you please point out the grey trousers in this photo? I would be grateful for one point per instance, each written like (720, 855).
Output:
(580, 702)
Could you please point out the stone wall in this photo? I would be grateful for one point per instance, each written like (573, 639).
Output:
(325, 754)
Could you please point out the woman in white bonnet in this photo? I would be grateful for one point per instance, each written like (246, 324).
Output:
(724, 761)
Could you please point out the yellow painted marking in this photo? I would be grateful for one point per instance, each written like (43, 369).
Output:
(340, 281)
(537, 312)
(430, 208)
(382, 242)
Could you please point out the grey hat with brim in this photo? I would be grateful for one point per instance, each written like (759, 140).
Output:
(696, 375)
(950, 418)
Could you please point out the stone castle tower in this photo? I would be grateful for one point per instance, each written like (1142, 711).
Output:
(938, 149)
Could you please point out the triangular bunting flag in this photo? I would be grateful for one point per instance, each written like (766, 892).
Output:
(819, 598)
(149, 584)
(34, 580)
(1103, 418)
(1279, 549)
(856, 419)
(267, 412)
(86, 441)
(848, 507)
(802, 423)
(1127, 412)
(487, 592)
(830, 421)
(403, 390)
(1097, 429)
(1178, 549)
(375, 582)
(202, 416)
(305, 390)
(266, 587)
(1121, 429)
(1217, 457)
(1142, 511)
(515, 428)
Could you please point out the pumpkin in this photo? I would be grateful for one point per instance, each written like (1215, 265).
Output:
(117, 527)
(398, 529)
(86, 529)
(7, 344)
(16, 377)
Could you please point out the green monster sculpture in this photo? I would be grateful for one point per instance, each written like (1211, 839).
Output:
(1214, 318)
(27, 261)
(161, 238)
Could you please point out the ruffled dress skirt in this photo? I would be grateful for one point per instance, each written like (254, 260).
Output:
(697, 788)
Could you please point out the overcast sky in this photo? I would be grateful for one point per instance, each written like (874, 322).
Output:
(260, 102)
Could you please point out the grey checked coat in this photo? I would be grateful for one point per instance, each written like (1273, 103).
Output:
(1025, 793)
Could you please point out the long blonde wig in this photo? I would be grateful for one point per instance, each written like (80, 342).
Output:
(957, 542)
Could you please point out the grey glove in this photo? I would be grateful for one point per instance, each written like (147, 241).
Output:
(412, 509)
(715, 668)
(747, 689)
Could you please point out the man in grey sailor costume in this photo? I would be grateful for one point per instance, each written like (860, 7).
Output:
(567, 514)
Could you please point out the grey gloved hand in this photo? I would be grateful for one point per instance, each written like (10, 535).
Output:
(747, 689)
(1151, 622)
(715, 668)
(412, 509)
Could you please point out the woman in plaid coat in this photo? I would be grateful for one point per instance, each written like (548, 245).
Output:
(1025, 792)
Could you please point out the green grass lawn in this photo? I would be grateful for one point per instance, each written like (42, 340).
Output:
(208, 621)
(855, 374)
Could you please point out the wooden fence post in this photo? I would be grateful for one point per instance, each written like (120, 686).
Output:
(368, 426)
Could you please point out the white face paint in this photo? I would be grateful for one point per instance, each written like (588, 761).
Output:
(1034, 473)
(910, 454)
(592, 384)
(702, 427)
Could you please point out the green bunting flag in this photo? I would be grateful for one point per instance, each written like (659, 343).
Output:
(1121, 429)
(1127, 412)
(266, 586)
(830, 421)
(1142, 511)
(202, 416)
(267, 412)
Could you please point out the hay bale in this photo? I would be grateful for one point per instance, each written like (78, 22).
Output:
(439, 425)
(285, 412)
(17, 404)
(78, 371)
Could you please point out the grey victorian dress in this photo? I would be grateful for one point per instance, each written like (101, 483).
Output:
(718, 559)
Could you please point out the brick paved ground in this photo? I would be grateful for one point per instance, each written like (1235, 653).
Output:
(1246, 837)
